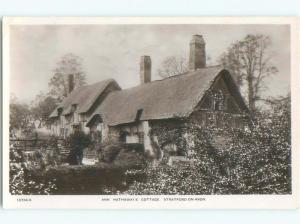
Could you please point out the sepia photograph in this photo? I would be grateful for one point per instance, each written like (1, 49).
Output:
(149, 109)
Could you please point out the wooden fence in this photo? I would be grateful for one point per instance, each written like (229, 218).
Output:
(36, 144)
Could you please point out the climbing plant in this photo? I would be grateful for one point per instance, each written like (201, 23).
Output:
(226, 160)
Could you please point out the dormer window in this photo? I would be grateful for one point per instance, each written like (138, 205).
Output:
(59, 111)
(73, 108)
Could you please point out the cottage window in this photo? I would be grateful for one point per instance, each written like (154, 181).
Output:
(73, 108)
(217, 105)
(219, 100)
(59, 111)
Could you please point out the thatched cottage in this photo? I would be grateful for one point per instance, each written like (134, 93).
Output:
(206, 95)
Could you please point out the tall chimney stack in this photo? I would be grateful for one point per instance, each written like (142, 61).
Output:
(145, 69)
(71, 82)
(197, 53)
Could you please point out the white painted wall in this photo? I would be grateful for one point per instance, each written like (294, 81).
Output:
(147, 140)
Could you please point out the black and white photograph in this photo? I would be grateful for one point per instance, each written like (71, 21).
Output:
(149, 109)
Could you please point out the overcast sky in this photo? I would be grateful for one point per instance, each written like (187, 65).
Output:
(113, 51)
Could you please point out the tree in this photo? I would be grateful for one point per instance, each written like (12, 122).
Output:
(280, 116)
(250, 63)
(20, 118)
(68, 64)
(173, 66)
(42, 107)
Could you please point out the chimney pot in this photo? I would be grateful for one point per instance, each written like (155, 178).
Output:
(197, 53)
(145, 69)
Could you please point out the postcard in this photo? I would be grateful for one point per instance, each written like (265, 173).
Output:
(151, 112)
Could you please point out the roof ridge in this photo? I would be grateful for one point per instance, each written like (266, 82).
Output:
(189, 73)
(105, 80)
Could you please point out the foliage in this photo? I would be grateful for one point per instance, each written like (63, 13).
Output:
(248, 60)
(102, 178)
(42, 107)
(172, 66)
(228, 161)
(130, 155)
(121, 154)
(20, 180)
(109, 152)
(20, 119)
(68, 64)
(77, 141)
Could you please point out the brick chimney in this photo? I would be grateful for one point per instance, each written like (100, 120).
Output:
(197, 53)
(145, 69)
(71, 82)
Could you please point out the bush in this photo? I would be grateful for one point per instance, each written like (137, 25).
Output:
(20, 181)
(120, 152)
(110, 152)
(248, 162)
(77, 142)
(131, 155)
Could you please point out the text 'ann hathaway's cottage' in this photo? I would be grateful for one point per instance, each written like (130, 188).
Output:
(206, 95)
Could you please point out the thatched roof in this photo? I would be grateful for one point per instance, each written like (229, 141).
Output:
(172, 97)
(84, 97)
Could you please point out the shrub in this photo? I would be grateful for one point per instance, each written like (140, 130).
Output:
(109, 152)
(248, 162)
(77, 142)
(131, 155)
(20, 181)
